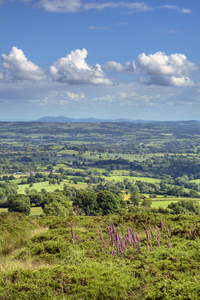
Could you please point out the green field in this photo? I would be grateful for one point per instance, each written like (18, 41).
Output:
(131, 179)
(196, 180)
(49, 188)
(163, 203)
(35, 211)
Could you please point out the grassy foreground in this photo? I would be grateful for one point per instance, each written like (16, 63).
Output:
(125, 256)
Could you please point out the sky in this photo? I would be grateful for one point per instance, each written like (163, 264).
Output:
(101, 59)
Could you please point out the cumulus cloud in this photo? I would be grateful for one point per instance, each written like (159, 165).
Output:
(73, 69)
(17, 67)
(78, 5)
(167, 70)
(75, 96)
(130, 98)
(118, 67)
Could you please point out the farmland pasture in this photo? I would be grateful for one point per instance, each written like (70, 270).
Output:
(131, 178)
(49, 187)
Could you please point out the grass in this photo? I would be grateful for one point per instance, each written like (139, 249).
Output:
(162, 204)
(35, 211)
(49, 188)
(196, 181)
(130, 178)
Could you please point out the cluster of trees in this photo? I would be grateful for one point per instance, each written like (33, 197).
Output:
(57, 203)
(7, 189)
(101, 203)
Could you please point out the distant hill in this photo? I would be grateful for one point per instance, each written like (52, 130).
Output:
(62, 119)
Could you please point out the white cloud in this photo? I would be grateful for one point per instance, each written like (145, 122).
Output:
(105, 99)
(186, 10)
(74, 96)
(73, 69)
(136, 6)
(167, 70)
(118, 67)
(42, 102)
(174, 7)
(19, 68)
(130, 98)
(78, 5)
(70, 6)
(169, 6)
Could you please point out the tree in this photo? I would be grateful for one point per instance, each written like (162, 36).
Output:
(87, 201)
(56, 208)
(19, 203)
(35, 198)
(146, 202)
(55, 197)
(55, 204)
(135, 198)
(188, 207)
(109, 203)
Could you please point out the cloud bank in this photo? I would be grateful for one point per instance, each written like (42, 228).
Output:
(157, 69)
(71, 69)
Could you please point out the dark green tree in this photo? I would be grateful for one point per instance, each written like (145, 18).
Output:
(56, 204)
(109, 203)
(35, 198)
(87, 201)
(55, 197)
(19, 203)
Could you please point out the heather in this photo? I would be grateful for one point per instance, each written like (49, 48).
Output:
(122, 256)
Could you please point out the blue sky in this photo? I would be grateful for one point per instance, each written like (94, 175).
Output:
(103, 59)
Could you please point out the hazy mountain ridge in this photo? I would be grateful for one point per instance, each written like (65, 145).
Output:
(62, 119)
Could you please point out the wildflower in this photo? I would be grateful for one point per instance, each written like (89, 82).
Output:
(133, 237)
(147, 235)
(138, 239)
